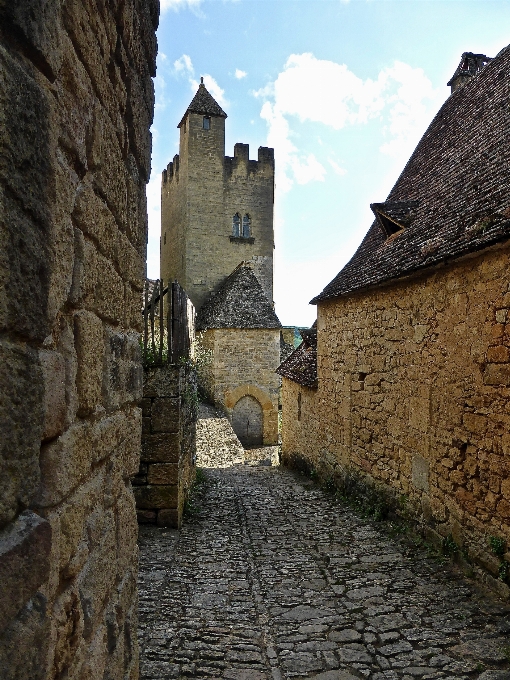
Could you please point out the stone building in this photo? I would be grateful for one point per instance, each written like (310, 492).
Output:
(76, 104)
(217, 212)
(241, 332)
(413, 335)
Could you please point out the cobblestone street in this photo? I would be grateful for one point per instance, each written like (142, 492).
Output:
(272, 578)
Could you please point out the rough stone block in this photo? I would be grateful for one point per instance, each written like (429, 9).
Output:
(97, 580)
(155, 497)
(21, 425)
(497, 374)
(419, 413)
(420, 473)
(168, 518)
(68, 627)
(106, 159)
(26, 146)
(163, 473)
(126, 531)
(65, 462)
(92, 216)
(475, 423)
(54, 372)
(24, 271)
(161, 448)
(128, 452)
(123, 375)
(25, 547)
(146, 516)
(43, 35)
(165, 414)
(161, 382)
(24, 643)
(90, 353)
(499, 354)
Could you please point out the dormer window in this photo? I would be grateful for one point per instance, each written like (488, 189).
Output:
(236, 226)
(394, 216)
(246, 226)
(206, 123)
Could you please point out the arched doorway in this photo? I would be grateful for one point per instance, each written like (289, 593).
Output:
(248, 421)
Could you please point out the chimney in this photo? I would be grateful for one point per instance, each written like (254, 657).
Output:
(470, 65)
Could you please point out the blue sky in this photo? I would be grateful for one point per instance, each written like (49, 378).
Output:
(343, 90)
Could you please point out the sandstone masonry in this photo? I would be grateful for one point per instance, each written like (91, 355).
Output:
(413, 352)
(76, 103)
(201, 192)
(414, 392)
(167, 465)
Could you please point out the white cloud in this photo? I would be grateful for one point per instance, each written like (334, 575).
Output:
(179, 4)
(337, 168)
(184, 65)
(216, 91)
(240, 74)
(324, 92)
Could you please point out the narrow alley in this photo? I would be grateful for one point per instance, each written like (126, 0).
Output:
(272, 578)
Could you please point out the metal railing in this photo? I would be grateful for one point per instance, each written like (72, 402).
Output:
(169, 323)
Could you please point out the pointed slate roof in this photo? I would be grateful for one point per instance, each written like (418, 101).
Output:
(204, 103)
(301, 365)
(240, 302)
(455, 187)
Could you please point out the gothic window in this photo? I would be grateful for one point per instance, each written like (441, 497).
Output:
(236, 225)
(207, 123)
(246, 226)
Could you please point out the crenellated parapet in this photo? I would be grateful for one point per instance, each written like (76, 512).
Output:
(172, 169)
(240, 163)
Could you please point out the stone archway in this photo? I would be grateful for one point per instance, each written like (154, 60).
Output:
(248, 421)
(269, 410)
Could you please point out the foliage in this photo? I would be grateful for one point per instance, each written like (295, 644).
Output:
(200, 362)
(192, 502)
(449, 547)
(498, 545)
(150, 355)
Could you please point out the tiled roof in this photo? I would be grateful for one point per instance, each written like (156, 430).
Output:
(204, 103)
(301, 365)
(240, 302)
(456, 186)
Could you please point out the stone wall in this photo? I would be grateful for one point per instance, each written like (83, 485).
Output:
(242, 362)
(414, 392)
(76, 103)
(167, 466)
(201, 191)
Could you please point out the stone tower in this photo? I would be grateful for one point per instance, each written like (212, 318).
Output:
(217, 211)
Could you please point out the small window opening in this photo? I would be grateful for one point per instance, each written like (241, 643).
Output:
(236, 225)
(246, 226)
(164, 238)
(206, 123)
(361, 380)
(390, 227)
(299, 406)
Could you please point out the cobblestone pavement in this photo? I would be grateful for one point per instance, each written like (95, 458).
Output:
(272, 578)
(219, 447)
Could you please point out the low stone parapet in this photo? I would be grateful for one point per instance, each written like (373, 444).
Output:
(167, 464)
